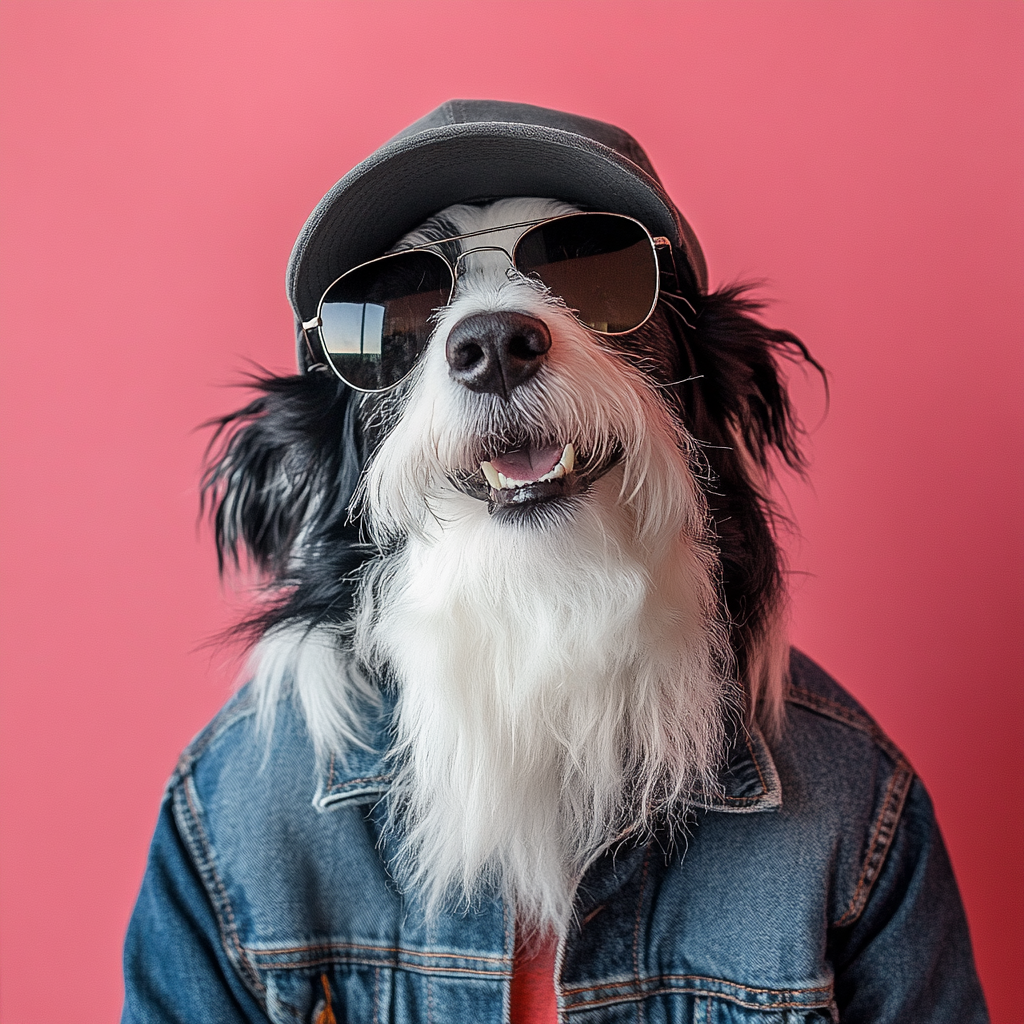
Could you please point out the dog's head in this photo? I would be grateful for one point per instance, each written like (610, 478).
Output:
(554, 540)
(518, 417)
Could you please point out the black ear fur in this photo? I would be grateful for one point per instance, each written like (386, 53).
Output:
(739, 410)
(285, 464)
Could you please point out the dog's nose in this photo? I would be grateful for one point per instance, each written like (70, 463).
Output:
(496, 352)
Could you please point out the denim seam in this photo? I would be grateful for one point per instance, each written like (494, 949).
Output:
(195, 750)
(510, 952)
(366, 947)
(509, 928)
(881, 840)
(365, 961)
(884, 828)
(694, 992)
(636, 927)
(848, 716)
(334, 788)
(723, 800)
(202, 856)
(757, 767)
(704, 977)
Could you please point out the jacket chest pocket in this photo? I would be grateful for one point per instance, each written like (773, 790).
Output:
(697, 1008)
(331, 994)
(722, 1011)
(368, 993)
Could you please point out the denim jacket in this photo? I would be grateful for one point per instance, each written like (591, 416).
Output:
(815, 888)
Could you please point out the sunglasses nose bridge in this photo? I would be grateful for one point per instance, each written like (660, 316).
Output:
(457, 266)
(512, 272)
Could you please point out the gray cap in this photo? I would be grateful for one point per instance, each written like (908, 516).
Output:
(476, 149)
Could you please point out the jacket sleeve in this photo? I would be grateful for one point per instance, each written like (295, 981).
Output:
(175, 967)
(908, 958)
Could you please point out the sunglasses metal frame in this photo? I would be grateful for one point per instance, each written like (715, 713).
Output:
(316, 323)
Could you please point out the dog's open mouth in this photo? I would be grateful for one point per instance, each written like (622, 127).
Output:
(530, 474)
(518, 478)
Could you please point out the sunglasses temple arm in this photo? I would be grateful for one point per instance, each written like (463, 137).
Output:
(315, 358)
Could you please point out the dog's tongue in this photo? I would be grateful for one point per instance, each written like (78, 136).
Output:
(527, 463)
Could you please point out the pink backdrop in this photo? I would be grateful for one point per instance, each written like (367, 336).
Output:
(158, 161)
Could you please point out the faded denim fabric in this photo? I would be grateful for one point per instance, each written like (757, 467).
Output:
(817, 888)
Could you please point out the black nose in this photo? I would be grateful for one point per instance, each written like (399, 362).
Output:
(496, 352)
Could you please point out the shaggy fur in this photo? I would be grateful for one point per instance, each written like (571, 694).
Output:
(563, 675)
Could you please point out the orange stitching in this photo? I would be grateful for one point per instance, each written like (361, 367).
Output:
(757, 767)
(871, 846)
(354, 782)
(725, 798)
(367, 962)
(879, 844)
(278, 950)
(849, 716)
(612, 1000)
(510, 944)
(888, 816)
(229, 926)
(326, 1015)
(213, 731)
(704, 977)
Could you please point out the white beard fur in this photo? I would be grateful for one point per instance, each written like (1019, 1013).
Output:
(558, 685)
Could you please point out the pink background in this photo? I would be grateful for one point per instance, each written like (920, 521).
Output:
(158, 162)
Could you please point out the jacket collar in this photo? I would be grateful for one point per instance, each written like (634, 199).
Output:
(748, 780)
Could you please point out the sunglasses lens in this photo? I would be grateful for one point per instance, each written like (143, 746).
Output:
(375, 321)
(603, 266)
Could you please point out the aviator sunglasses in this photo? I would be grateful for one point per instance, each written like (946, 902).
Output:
(375, 320)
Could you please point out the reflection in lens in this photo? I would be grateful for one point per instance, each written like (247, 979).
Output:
(353, 328)
(375, 320)
(603, 267)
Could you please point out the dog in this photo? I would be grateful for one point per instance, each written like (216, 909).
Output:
(565, 662)
(523, 737)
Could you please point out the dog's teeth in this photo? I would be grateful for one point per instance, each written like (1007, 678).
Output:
(493, 476)
(500, 482)
(553, 474)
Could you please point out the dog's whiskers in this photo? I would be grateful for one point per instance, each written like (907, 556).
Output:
(668, 305)
(682, 298)
(673, 383)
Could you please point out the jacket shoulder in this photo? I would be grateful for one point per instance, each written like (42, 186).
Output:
(232, 725)
(243, 743)
(812, 689)
(843, 780)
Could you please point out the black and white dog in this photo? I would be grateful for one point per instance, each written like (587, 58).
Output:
(565, 571)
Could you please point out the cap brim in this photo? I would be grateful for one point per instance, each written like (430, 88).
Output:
(411, 178)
